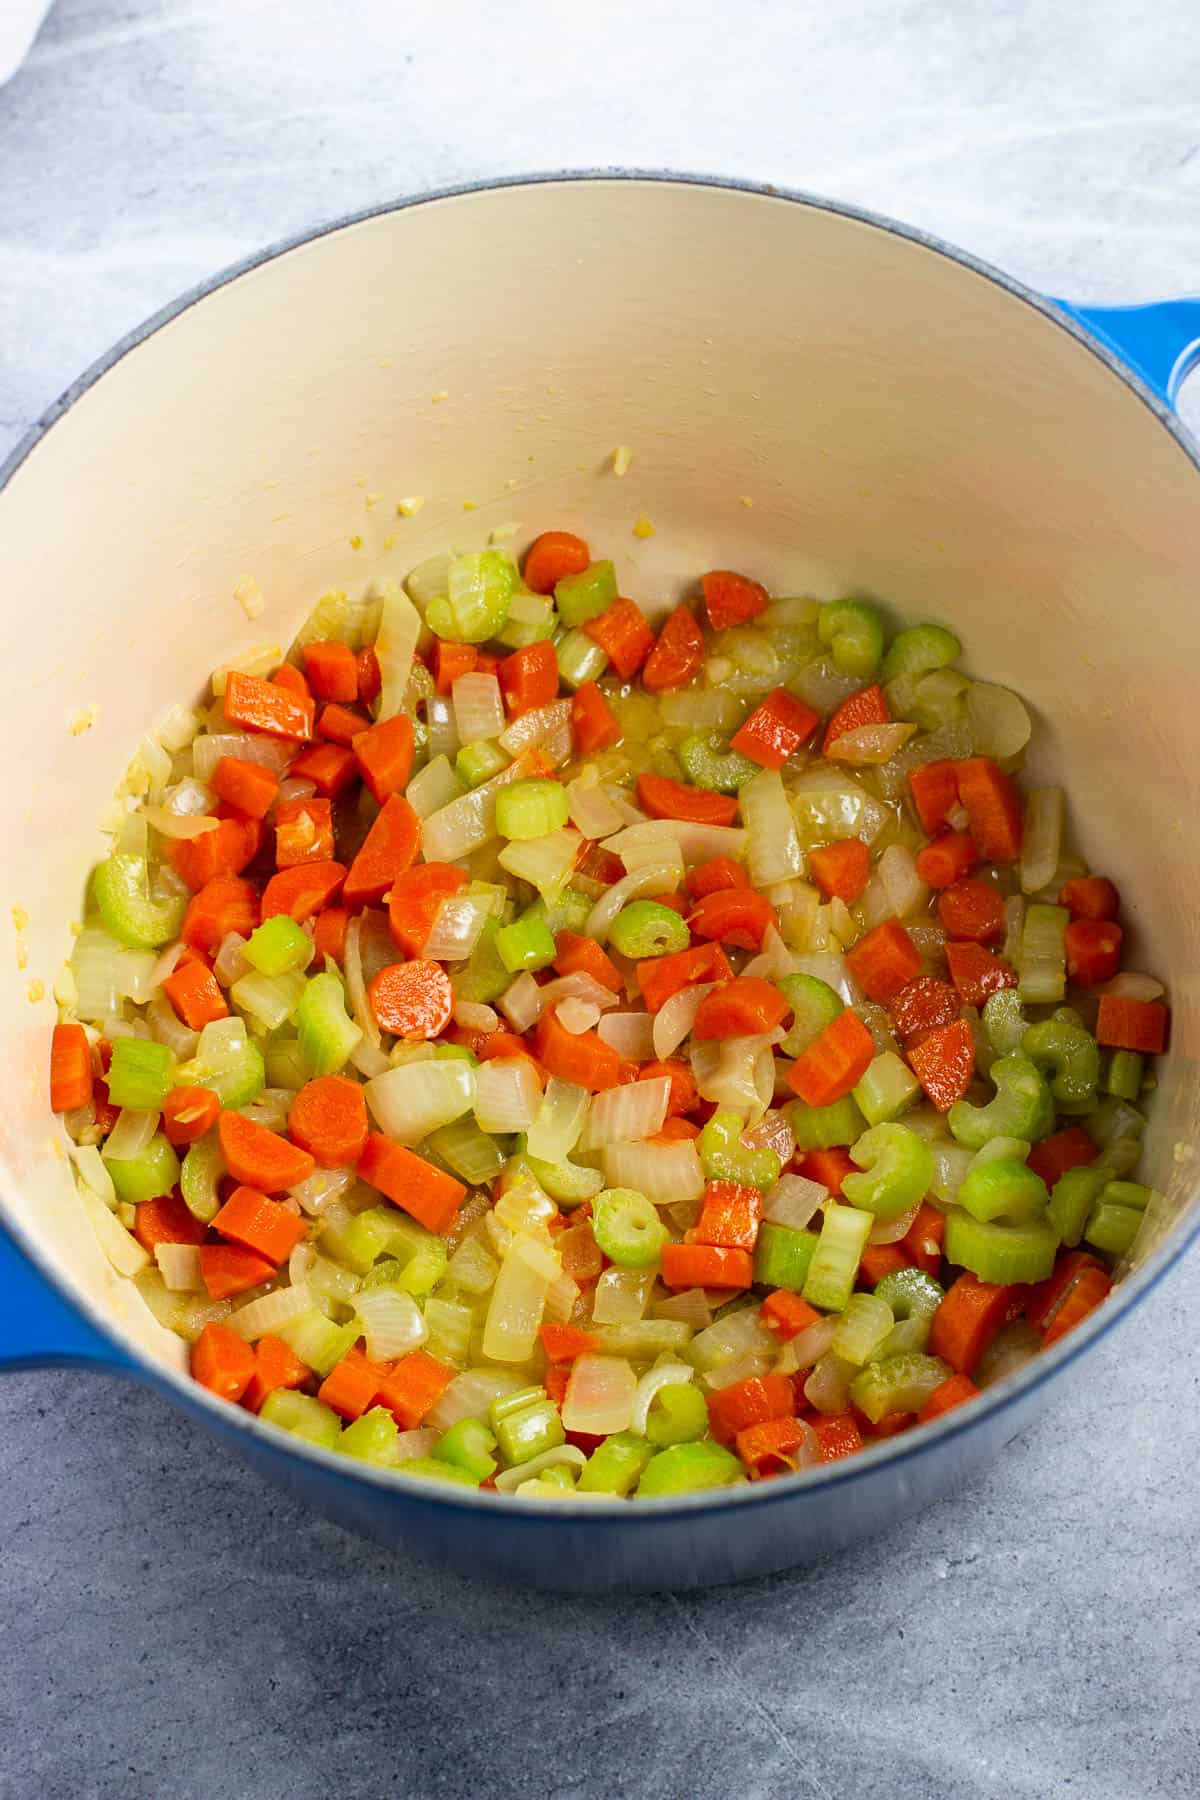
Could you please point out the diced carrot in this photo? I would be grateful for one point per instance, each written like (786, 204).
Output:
(556, 1381)
(737, 916)
(222, 1362)
(576, 955)
(256, 705)
(370, 680)
(529, 678)
(391, 847)
(1093, 950)
(303, 832)
(775, 730)
(834, 1062)
(581, 1057)
(1069, 1149)
(450, 660)
(414, 1000)
(70, 1068)
(731, 599)
(276, 1366)
(677, 902)
(884, 961)
(623, 634)
(954, 1391)
(302, 891)
(1082, 1297)
(676, 656)
(551, 556)
(329, 934)
(674, 1129)
(385, 756)
(740, 1008)
(229, 1269)
(289, 677)
(715, 876)
(416, 899)
(330, 767)
(352, 1385)
(189, 1113)
(751, 1402)
(967, 1320)
(993, 808)
(891, 1425)
(328, 1118)
(339, 725)
(563, 1343)
(331, 670)
(217, 854)
(1132, 1024)
(166, 1220)
(787, 1315)
(664, 798)
(829, 1167)
(730, 1215)
(594, 724)
(1090, 897)
(246, 785)
(661, 976)
(866, 707)
(923, 1005)
(972, 909)
(770, 1448)
(878, 1260)
(922, 1244)
(259, 1157)
(265, 1226)
(705, 1265)
(408, 1181)
(976, 972)
(414, 1386)
(1042, 1300)
(935, 793)
(944, 1063)
(947, 859)
(841, 870)
(838, 1435)
(684, 1095)
(220, 907)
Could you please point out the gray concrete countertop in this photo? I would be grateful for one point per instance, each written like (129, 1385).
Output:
(175, 1630)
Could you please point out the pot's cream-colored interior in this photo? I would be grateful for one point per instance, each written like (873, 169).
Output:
(812, 399)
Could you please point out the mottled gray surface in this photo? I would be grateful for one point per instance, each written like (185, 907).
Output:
(172, 1629)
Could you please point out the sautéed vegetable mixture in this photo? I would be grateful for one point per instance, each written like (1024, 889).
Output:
(534, 1050)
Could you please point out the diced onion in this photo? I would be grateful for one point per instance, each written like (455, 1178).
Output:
(258, 747)
(663, 1172)
(774, 960)
(772, 1133)
(895, 889)
(473, 1015)
(322, 1188)
(368, 1059)
(135, 974)
(600, 1395)
(793, 1201)
(576, 986)
(433, 787)
(291, 788)
(629, 1113)
(94, 966)
(392, 1321)
(558, 1122)
(696, 843)
(577, 1016)
(809, 1345)
(269, 1312)
(728, 1071)
(89, 1167)
(457, 927)
(870, 744)
(478, 708)
(656, 878)
(521, 1003)
(1130, 984)
(395, 642)
(545, 728)
(1014, 926)
(177, 727)
(130, 1135)
(590, 809)
(631, 1034)
(229, 965)
(828, 1387)
(675, 1018)
(415, 1099)
(621, 1296)
(999, 723)
(773, 848)
(890, 1231)
(177, 825)
(121, 1248)
(562, 1297)
(1042, 837)
(663, 1375)
(469, 1395)
(690, 1307)
(271, 1108)
(563, 1456)
(507, 1094)
(519, 1295)
(179, 1265)
(830, 803)
(356, 987)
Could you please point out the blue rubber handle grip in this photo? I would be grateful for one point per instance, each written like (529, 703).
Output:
(1159, 342)
(40, 1326)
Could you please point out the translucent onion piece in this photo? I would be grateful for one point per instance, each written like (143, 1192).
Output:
(518, 1298)
(890, 1231)
(590, 809)
(269, 1312)
(731, 1340)
(1012, 1347)
(656, 878)
(392, 1321)
(433, 787)
(473, 1015)
(89, 1167)
(628, 1114)
(793, 1201)
(828, 1387)
(621, 1296)
(691, 1307)
(663, 1172)
(166, 964)
(229, 965)
(558, 1122)
(545, 862)
(631, 1034)
(368, 1059)
(417, 1098)
(600, 1395)
(699, 709)
(270, 1108)
(177, 727)
(522, 1003)
(577, 1016)
(507, 1094)
(457, 928)
(998, 721)
(578, 986)
(773, 847)
(830, 803)
(1014, 926)
(729, 1072)
(546, 728)
(356, 987)
(135, 970)
(94, 966)
(1042, 837)
(469, 1395)
(675, 1018)
(1130, 984)
(322, 1189)
(478, 708)
(951, 1163)
(179, 1266)
(177, 825)
(130, 1135)
(562, 1297)
(811, 1344)
(663, 1375)
(563, 1456)
(443, 726)
(775, 959)
(301, 1260)
(291, 788)
(121, 1248)
(870, 744)
(772, 1133)
(430, 579)
(696, 843)
(395, 642)
(411, 1444)
(273, 753)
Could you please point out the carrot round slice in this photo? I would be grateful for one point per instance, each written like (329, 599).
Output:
(260, 1158)
(302, 891)
(553, 555)
(328, 1118)
(677, 654)
(412, 999)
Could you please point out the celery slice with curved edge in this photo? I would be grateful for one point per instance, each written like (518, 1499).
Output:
(1021, 1107)
(372, 1438)
(814, 1006)
(1004, 1189)
(627, 1228)
(615, 1466)
(121, 885)
(853, 633)
(724, 1157)
(898, 1171)
(1075, 1193)
(678, 1414)
(783, 1256)
(862, 1328)
(1070, 1057)
(144, 1177)
(567, 1182)
(327, 1034)
(918, 650)
(911, 1293)
(1001, 1253)
(644, 928)
(1113, 1228)
(897, 1384)
(141, 1075)
(1004, 1021)
(202, 1169)
(689, 1469)
(479, 588)
(304, 1416)
(586, 595)
(277, 946)
(709, 763)
(468, 1444)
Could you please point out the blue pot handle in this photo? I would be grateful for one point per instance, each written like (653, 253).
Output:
(40, 1326)
(1161, 342)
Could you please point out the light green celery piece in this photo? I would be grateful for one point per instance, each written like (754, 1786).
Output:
(911, 1294)
(236, 1079)
(269, 1001)
(1129, 1193)
(432, 1468)
(526, 1424)
(1004, 1189)
(424, 1255)
(526, 944)
(479, 762)
(678, 1414)
(918, 650)
(627, 1228)
(644, 928)
(825, 1127)
(615, 1466)
(531, 809)
(530, 620)
(141, 1075)
(473, 1155)
(853, 633)
(1002, 1149)
(567, 1182)
(1123, 1076)
(121, 886)
(1042, 957)
(566, 910)
(317, 1341)
(277, 946)
(327, 1033)
(484, 976)
(468, 1445)
(1004, 1021)
(708, 762)
(479, 588)
(831, 1274)
(862, 1328)
(724, 1157)
(939, 698)
(646, 1338)
(304, 1416)
(783, 1256)
(1112, 1228)
(145, 1177)
(688, 1469)
(285, 1064)
(1021, 1108)
(998, 1252)
(579, 659)
(888, 1089)
(814, 1006)
(897, 1384)
(585, 595)
(898, 1171)
(1070, 1058)
(202, 1169)
(1075, 1193)
(371, 1438)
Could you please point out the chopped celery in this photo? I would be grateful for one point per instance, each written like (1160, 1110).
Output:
(897, 1384)
(830, 1280)
(303, 1416)
(1004, 1021)
(432, 1468)
(202, 1169)
(1075, 1194)
(236, 1076)
(269, 1000)
(644, 929)
(644, 1337)
(526, 944)
(147, 1176)
(1042, 957)
(899, 1168)
(277, 946)
(825, 1127)
(468, 1444)
(939, 698)
(586, 595)
(1004, 1189)
(708, 762)
(566, 910)
(473, 1155)
(918, 650)
(814, 1006)
(530, 809)
(1112, 1228)
(688, 1469)
(1021, 1107)
(472, 1269)
(1128, 1193)
(567, 1182)
(479, 589)
(285, 1063)
(371, 1438)
(484, 976)
(579, 659)
(530, 619)
(1123, 1077)
(1073, 1056)
(615, 1465)
(724, 1157)
(888, 1088)
(449, 1323)
(678, 1414)
(914, 1297)
(782, 1256)
(853, 633)
(327, 1033)
(317, 1341)
(1001, 1253)
(121, 885)
(479, 762)
(141, 1075)
(862, 1328)
(627, 1228)
(526, 1424)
